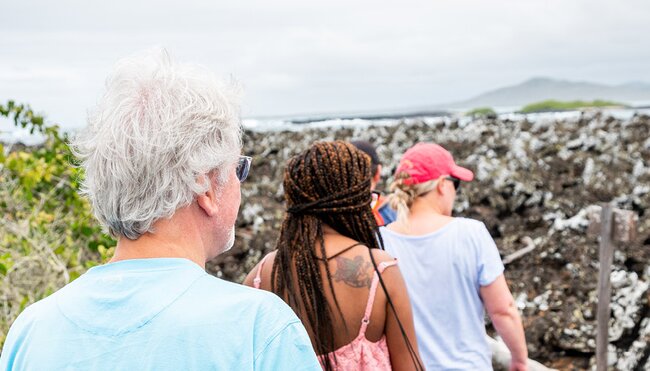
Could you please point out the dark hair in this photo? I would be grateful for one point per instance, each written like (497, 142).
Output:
(370, 150)
(327, 183)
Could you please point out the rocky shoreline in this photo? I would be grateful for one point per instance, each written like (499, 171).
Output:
(535, 180)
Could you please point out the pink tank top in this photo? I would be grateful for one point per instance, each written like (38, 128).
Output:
(360, 354)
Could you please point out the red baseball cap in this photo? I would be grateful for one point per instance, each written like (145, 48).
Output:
(427, 161)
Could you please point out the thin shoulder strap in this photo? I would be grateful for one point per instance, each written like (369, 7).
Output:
(371, 296)
(344, 250)
(257, 281)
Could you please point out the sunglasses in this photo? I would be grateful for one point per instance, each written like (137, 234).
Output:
(454, 180)
(243, 167)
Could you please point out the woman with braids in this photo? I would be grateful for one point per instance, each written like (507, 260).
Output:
(330, 268)
(452, 267)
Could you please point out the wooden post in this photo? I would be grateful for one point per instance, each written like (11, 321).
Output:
(612, 225)
(604, 286)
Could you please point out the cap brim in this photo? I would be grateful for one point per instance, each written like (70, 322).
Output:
(462, 173)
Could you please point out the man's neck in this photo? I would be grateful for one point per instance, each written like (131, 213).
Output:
(170, 239)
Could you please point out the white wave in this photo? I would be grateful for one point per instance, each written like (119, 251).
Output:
(14, 135)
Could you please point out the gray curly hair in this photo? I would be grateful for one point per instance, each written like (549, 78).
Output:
(160, 130)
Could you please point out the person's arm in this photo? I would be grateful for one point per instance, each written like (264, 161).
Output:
(400, 357)
(248, 281)
(503, 312)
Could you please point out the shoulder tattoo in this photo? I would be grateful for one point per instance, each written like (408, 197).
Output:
(353, 272)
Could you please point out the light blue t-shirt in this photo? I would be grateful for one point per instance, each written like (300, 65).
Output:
(444, 271)
(157, 314)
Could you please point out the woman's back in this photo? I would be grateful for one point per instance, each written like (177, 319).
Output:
(444, 271)
(451, 265)
(352, 275)
(325, 280)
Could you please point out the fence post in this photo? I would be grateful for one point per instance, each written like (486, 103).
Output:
(612, 225)
(604, 286)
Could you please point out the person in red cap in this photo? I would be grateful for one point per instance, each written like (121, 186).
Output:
(451, 266)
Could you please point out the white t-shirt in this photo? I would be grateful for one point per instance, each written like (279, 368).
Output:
(444, 271)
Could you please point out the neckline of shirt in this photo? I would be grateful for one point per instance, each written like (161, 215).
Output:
(146, 264)
(422, 236)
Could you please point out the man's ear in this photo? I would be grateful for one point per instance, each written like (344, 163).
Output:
(208, 201)
(377, 176)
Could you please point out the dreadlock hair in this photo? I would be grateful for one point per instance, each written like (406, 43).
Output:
(327, 183)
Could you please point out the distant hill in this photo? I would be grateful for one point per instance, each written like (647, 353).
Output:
(539, 89)
(516, 96)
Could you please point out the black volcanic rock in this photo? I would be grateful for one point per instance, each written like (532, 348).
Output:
(533, 178)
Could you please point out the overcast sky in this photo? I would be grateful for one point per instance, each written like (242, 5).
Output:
(300, 57)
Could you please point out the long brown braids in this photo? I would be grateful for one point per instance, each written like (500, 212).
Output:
(327, 183)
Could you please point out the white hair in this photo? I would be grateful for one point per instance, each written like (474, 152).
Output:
(157, 133)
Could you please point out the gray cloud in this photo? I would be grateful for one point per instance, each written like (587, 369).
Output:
(301, 57)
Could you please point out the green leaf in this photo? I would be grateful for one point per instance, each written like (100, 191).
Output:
(74, 275)
(37, 120)
(86, 231)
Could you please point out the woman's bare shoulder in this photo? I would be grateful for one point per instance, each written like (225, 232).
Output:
(381, 256)
(268, 266)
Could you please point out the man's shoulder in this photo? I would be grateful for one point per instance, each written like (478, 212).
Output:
(39, 312)
(41, 309)
(259, 313)
(218, 292)
(212, 283)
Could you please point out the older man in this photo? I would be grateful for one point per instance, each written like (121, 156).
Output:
(163, 171)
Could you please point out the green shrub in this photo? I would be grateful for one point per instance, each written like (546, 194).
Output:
(554, 105)
(48, 235)
(482, 112)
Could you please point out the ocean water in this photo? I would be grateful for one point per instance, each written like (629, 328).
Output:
(10, 134)
(463, 120)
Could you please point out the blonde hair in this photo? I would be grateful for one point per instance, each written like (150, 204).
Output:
(403, 195)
